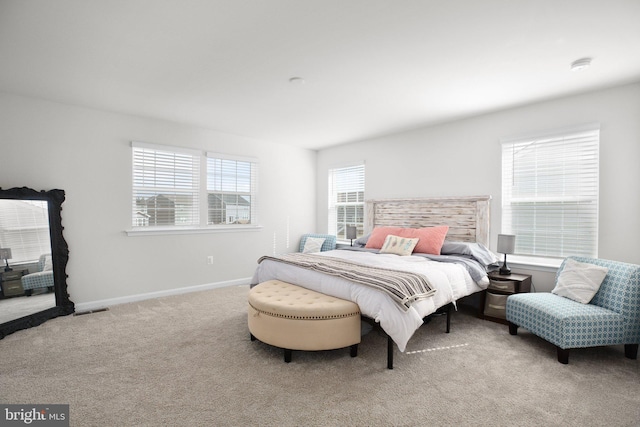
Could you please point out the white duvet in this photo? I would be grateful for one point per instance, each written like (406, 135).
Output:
(451, 281)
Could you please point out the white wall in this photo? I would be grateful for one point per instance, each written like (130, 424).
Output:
(45, 145)
(464, 158)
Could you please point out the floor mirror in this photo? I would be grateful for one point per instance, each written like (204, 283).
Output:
(34, 256)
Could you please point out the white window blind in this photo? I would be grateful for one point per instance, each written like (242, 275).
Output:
(24, 228)
(165, 186)
(346, 200)
(232, 190)
(550, 193)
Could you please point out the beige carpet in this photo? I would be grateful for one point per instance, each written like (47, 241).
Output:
(188, 361)
(17, 307)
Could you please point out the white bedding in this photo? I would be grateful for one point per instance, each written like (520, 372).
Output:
(451, 281)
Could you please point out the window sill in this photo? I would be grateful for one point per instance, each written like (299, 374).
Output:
(157, 231)
(533, 263)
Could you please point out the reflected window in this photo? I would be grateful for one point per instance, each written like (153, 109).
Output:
(24, 228)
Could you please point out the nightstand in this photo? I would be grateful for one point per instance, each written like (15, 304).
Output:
(500, 287)
(11, 282)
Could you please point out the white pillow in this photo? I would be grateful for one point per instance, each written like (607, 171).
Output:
(579, 281)
(312, 244)
(48, 264)
(398, 245)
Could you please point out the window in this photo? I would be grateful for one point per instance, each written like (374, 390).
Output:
(24, 228)
(550, 193)
(346, 200)
(165, 186)
(169, 189)
(231, 190)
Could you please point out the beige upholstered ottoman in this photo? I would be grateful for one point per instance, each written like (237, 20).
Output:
(295, 318)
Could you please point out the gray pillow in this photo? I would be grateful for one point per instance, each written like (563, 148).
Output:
(475, 250)
(361, 241)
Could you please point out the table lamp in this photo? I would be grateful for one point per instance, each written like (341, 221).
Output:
(506, 245)
(351, 233)
(5, 254)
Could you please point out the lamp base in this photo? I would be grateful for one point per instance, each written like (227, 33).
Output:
(505, 271)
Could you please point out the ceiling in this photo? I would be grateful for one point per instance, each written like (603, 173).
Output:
(370, 67)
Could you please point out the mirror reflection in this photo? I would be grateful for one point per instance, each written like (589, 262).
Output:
(26, 270)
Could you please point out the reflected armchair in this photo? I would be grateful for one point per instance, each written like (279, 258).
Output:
(43, 278)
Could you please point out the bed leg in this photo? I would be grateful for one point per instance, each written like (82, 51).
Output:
(449, 317)
(389, 352)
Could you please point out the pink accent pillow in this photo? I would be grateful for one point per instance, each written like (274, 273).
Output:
(431, 238)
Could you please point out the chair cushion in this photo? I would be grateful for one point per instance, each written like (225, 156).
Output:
(282, 299)
(564, 322)
(41, 279)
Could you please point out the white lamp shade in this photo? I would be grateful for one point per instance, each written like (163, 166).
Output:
(506, 243)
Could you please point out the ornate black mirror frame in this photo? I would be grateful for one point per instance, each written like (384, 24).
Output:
(59, 255)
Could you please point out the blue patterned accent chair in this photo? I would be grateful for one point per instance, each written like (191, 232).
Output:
(612, 317)
(329, 243)
(43, 278)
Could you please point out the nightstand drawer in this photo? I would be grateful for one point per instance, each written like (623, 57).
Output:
(12, 288)
(503, 285)
(495, 305)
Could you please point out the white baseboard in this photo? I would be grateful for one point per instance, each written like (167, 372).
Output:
(95, 305)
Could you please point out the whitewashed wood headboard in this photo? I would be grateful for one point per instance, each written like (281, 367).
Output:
(468, 217)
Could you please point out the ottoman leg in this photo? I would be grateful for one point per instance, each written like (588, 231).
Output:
(287, 355)
(252, 337)
(354, 350)
(513, 328)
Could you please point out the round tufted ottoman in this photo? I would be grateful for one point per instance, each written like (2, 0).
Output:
(295, 318)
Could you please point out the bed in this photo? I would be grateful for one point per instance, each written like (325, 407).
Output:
(460, 270)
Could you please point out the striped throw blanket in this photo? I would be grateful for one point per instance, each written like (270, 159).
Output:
(404, 287)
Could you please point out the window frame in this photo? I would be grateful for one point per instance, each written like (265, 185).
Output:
(334, 205)
(252, 193)
(532, 252)
(201, 225)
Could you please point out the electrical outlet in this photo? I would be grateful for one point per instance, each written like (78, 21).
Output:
(210, 260)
